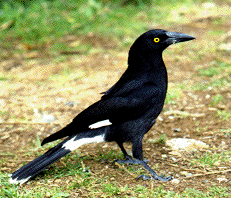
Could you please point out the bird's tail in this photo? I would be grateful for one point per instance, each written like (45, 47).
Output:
(69, 144)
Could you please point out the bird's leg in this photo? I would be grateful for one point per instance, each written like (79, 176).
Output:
(153, 173)
(138, 154)
(123, 149)
(128, 159)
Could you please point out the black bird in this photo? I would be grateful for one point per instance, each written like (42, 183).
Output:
(125, 112)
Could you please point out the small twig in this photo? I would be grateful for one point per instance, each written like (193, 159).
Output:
(184, 113)
(223, 60)
(12, 131)
(221, 76)
(69, 52)
(197, 170)
(209, 173)
(186, 169)
(6, 154)
(122, 167)
(83, 166)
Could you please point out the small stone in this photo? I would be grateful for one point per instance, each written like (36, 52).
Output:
(225, 47)
(164, 156)
(175, 181)
(47, 118)
(186, 144)
(176, 130)
(189, 174)
(185, 173)
(209, 5)
(222, 179)
(217, 163)
(171, 117)
(70, 103)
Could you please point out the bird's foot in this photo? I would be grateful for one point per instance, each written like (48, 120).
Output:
(128, 160)
(155, 177)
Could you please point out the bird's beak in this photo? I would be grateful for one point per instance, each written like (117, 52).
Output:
(176, 37)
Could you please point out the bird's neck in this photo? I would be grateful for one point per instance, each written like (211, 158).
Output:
(149, 63)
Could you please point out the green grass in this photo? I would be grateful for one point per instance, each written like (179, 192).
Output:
(210, 159)
(67, 73)
(160, 140)
(71, 166)
(215, 68)
(12, 191)
(43, 25)
(218, 74)
(227, 132)
(109, 155)
(212, 192)
(224, 115)
(175, 92)
(217, 99)
(104, 189)
(3, 113)
(3, 78)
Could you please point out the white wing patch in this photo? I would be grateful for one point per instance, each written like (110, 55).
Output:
(73, 144)
(100, 124)
(16, 181)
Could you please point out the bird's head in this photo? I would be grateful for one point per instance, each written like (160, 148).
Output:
(158, 40)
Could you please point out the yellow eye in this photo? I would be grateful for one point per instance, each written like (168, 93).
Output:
(156, 40)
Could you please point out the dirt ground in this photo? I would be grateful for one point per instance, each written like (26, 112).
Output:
(37, 84)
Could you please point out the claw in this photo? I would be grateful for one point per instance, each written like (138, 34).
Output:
(144, 177)
(128, 160)
(156, 177)
(162, 178)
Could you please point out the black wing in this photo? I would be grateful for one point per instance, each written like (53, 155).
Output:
(128, 106)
